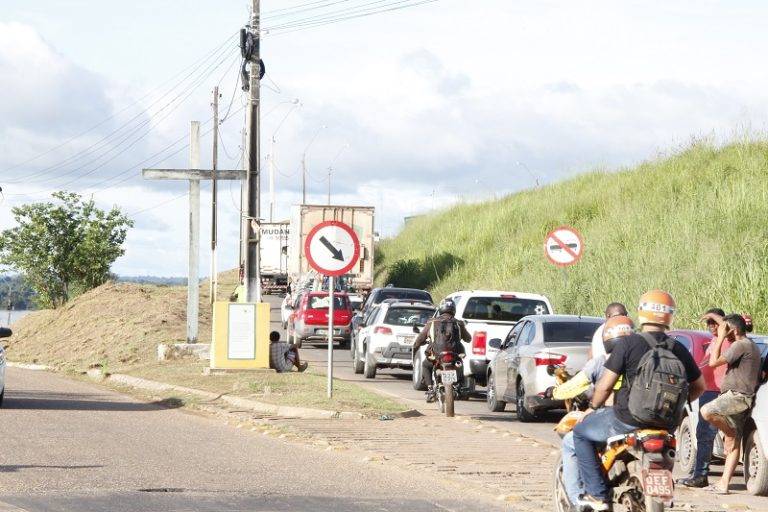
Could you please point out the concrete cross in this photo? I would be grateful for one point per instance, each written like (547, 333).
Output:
(194, 174)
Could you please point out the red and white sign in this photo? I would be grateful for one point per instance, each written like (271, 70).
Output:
(332, 248)
(563, 246)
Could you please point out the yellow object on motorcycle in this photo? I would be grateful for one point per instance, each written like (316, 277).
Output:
(568, 422)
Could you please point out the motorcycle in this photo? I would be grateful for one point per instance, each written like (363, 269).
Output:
(445, 380)
(637, 466)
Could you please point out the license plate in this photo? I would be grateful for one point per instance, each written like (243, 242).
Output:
(406, 340)
(659, 483)
(325, 331)
(449, 376)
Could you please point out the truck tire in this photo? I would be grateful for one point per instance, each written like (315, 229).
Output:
(755, 465)
(369, 369)
(278, 357)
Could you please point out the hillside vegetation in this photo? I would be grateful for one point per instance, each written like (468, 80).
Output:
(694, 224)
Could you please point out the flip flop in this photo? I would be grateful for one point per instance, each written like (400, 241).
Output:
(715, 489)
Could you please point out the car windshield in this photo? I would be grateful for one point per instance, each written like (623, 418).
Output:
(503, 309)
(321, 302)
(403, 294)
(408, 316)
(569, 332)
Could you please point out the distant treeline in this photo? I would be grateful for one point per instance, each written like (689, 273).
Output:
(167, 281)
(15, 293)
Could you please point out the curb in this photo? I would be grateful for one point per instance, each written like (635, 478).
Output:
(27, 366)
(245, 403)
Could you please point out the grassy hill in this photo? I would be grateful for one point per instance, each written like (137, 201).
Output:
(695, 224)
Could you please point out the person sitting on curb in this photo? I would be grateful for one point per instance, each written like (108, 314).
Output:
(291, 354)
(728, 411)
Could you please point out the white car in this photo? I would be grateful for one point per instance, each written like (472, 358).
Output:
(488, 315)
(386, 339)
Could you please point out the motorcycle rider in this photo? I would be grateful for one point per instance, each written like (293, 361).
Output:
(445, 333)
(613, 309)
(614, 329)
(655, 313)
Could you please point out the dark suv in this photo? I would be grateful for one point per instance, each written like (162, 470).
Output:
(378, 295)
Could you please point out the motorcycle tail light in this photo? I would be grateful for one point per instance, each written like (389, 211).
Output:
(654, 445)
(447, 358)
(672, 442)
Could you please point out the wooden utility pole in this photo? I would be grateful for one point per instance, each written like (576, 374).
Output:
(214, 194)
(251, 228)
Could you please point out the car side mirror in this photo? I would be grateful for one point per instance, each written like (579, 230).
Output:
(495, 343)
(416, 329)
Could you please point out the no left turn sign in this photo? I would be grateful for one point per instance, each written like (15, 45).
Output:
(332, 248)
(563, 246)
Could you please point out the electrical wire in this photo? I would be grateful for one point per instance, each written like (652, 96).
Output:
(194, 66)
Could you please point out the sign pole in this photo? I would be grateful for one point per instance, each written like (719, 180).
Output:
(331, 289)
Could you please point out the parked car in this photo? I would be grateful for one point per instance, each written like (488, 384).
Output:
(386, 339)
(309, 320)
(518, 372)
(487, 315)
(375, 298)
(357, 302)
(755, 438)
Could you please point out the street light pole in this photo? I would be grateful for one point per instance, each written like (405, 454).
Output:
(304, 166)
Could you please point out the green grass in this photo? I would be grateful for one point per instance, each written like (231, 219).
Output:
(695, 224)
(292, 389)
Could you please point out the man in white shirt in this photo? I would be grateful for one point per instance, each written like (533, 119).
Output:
(613, 309)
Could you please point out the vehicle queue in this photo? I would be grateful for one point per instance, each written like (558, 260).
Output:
(517, 341)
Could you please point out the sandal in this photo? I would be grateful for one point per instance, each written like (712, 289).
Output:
(716, 489)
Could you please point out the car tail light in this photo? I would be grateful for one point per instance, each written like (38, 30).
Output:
(545, 359)
(447, 357)
(382, 330)
(654, 445)
(478, 342)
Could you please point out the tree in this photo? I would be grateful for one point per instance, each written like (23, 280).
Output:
(63, 247)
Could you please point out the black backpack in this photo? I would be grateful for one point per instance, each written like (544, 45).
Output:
(659, 391)
(445, 335)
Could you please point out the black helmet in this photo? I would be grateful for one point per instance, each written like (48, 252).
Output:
(447, 306)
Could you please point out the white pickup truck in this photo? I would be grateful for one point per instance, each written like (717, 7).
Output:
(487, 315)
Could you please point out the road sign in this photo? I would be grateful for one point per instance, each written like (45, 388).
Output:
(332, 248)
(563, 246)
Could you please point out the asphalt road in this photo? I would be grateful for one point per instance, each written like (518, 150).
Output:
(74, 446)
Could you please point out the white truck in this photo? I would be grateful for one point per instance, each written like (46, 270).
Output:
(305, 217)
(488, 315)
(274, 256)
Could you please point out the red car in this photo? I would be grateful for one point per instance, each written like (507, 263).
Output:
(309, 321)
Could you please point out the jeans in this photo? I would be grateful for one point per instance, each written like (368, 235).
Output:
(705, 437)
(573, 486)
(588, 436)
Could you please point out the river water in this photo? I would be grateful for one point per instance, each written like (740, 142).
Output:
(14, 315)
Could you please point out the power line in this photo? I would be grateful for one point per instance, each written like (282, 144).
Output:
(194, 65)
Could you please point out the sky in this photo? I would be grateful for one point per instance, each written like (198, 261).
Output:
(413, 110)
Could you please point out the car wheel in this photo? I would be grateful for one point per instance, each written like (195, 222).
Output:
(2, 397)
(686, 453)
(357, 364)
(352, 347)
(416, 378)
(755, 465)
(369, 370)
(523, 414)
(494, 404)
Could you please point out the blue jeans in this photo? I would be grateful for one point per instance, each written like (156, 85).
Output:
(573, 486)
(588, 436)
(705, 437)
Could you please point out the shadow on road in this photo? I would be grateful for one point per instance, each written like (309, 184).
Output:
(14, 468)
(31, 400)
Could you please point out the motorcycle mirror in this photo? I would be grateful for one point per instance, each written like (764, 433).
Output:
(495, 343)
(5, 332)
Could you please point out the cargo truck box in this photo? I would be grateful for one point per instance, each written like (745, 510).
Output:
(306, 217)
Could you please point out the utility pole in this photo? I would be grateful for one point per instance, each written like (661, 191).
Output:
(251, 228)
(214, 193)
(193, 280)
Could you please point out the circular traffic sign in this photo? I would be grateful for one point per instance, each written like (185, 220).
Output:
(332, 248)
(563, 246)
